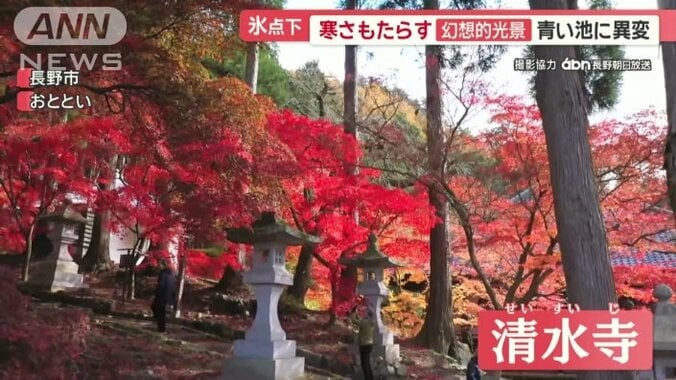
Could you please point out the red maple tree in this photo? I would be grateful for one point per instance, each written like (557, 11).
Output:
(41, 166)
(322, 200)
(511, 205)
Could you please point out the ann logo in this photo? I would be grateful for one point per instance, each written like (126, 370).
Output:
(70, 26)
(43, 26)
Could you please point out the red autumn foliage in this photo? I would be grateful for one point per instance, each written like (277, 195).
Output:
(511, 202)
(638, 282)
(42, 165)
(37, 342)
(200, 264)
(323, 196)
(192, 179)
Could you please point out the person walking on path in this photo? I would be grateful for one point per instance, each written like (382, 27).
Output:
(473, 372)
(365, 338)
(164, 294)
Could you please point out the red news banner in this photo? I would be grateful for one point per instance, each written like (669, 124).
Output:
(506, 27)
(566, 339)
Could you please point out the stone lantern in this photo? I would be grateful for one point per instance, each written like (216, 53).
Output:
(265, 353)
(58, 271)
(372, 264)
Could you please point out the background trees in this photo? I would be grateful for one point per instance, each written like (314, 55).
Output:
(510, 204)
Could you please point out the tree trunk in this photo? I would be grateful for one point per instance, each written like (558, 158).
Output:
(321, 104)
(97, 257)
(29, 252)
(350, 84)
(582, 235)
(131, 275)
(669, 63)
(182, 263)
(86, 239)
(351, 97)
(465, 222)
(437, 331)
(131, 281)
(251, 73)
(103, 247)
(102, 260)
(346, 272)
(301, 277)
(334, 294)
(350, 110)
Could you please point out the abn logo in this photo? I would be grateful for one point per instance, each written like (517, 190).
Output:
(59, 26)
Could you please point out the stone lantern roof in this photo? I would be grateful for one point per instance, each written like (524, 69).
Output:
(269, 228)
(66, 213)
(372, 257)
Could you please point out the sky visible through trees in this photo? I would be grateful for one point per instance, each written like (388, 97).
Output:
(402, 67)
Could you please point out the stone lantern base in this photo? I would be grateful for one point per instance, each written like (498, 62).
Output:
(255, 360)
(389, 352)
(385, 359)
(55, 275)
(264, 369)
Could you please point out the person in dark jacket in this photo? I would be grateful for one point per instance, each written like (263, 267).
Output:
(473, 372)
(365, 328)
(164, 295)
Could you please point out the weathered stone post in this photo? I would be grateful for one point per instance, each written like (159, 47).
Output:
(664, 327)
(265, 353)
(58, 271)
(372, 264)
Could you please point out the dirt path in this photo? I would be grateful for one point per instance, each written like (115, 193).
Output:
(123, 348)
(127, 348)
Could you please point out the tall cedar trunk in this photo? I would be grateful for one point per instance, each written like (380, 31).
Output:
(582, 235)
(301, 278)
(251, 72)
(350, 84)
(182, 264)
(351, 95)
(350, 107)
(437, 331)
(669, 63)
(29, 252)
